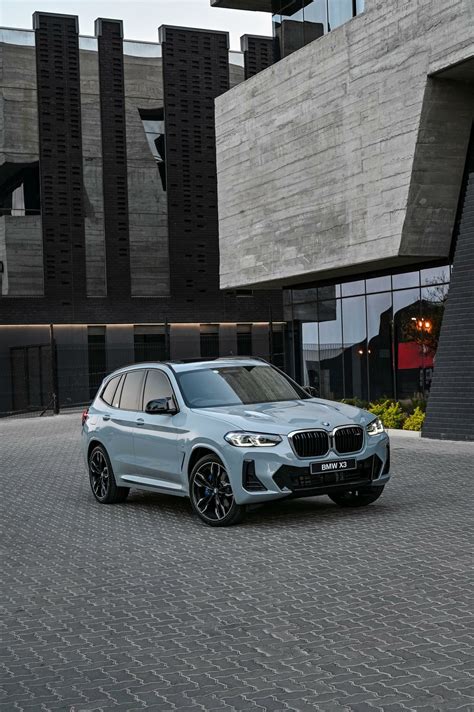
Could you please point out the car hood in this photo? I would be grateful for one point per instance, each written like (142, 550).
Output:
(284, 417)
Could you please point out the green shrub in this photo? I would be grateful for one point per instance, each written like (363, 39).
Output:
(415, 420)
(418, 403)
(390, 413)
(357, 402)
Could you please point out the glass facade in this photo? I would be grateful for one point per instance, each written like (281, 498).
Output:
(297, 22)
(370, 338)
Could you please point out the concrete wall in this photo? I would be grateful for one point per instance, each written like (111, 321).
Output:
(21, 251)
(18, 109)
(344, 157)
(147, 201)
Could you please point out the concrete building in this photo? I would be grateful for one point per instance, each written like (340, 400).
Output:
(108, 208)
(345, 178)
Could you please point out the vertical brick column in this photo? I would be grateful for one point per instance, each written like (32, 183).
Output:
(60, 140)
(450, 406)
(114, 155)
(195, 72)
(258, 53)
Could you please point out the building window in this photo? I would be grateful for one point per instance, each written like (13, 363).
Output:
(298, 22)
(339, 12)
(278, 346)
(153, 121)
(209, 340)
(150, 343)
(371, 340)
(97, 357)
(244, 339)
(19, 189)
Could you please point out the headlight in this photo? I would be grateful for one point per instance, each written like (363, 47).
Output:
(243, 439)
(375, 427)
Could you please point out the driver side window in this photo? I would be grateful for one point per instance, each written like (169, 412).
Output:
(157, 386)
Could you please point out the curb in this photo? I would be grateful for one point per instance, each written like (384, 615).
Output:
(396, 433)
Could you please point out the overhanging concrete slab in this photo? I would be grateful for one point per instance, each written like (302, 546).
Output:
(256, 5)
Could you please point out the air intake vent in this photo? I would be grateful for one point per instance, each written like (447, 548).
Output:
(348, 439)
(250, 481)
(311, 443)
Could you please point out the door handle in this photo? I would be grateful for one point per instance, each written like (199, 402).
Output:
(106, 417)
(140, 421)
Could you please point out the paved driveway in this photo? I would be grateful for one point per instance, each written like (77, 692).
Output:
(303, 607)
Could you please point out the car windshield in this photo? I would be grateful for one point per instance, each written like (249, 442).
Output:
(236, 385)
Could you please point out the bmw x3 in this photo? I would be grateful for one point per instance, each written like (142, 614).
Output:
(229, 433)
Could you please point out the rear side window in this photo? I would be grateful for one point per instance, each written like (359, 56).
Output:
(109, 390)
(157, 386)
(132, 390)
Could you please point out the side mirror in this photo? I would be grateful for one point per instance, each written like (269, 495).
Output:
(311, 391)
(161, 406)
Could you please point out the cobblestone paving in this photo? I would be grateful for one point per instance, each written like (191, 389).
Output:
(303, 607)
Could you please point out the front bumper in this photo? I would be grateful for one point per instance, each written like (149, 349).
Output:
(264, 474)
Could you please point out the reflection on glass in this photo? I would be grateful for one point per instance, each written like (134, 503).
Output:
(378, 284)
(330, 350)
(26, 38)
(355, 346)
(408, 355)
(88, 43)
(310, 338)
(236, 58)
(433, 301)
(340, 11)
(141, 49)
(381, 344)
(330, 292)
(360, 6)
(350, 289)
(315, 13)
(435, 275)
(379, 349)
(406, 280)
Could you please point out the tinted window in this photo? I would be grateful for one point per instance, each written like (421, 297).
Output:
(131, 391)
(236, 385)
(157, 386)
(109, 390)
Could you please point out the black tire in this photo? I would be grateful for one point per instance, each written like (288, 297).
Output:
(357, 498)
(211, 494)
(102, 480)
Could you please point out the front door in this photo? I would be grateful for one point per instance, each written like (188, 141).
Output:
(158, 438)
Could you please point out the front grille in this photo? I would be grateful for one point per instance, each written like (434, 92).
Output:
(312, 443)
(349, 439)
(300, 481)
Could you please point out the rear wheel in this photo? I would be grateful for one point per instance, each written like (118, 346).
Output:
(211, 493)
(357, 497)
(102, 478)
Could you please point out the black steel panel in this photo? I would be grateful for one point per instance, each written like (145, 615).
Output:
(114, 156)
(60, 140)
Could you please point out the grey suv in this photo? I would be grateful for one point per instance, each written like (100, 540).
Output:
(228, 433)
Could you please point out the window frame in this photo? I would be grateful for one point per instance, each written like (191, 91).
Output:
(160, 370)
(140, 397)
(101, 395)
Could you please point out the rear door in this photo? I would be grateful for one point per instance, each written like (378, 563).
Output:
(120, 420)
(158, 439)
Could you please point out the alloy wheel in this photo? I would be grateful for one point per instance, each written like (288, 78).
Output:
(212, 492)
(99, 472)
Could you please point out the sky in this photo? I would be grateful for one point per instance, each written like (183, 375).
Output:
(141, 18)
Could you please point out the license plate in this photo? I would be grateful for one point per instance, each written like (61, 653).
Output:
(319, 468)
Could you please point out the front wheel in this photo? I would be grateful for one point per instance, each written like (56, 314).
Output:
(102, 478)
(211, 493)
(358, 497)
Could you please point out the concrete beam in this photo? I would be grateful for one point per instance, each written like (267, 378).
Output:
(257, 5)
